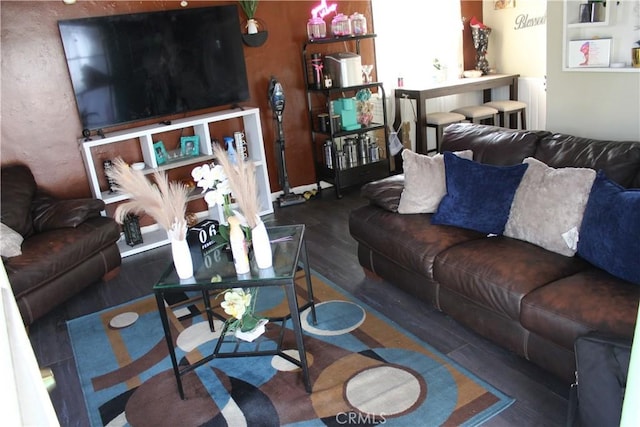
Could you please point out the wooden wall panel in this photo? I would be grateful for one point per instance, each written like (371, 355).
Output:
(469, 8)
(40, 125)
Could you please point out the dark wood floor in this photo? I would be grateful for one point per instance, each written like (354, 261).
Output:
(541, 400)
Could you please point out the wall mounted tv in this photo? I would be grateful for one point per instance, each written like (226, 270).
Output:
(133, 67)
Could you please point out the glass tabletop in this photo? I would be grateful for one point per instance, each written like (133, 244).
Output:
(214, 268)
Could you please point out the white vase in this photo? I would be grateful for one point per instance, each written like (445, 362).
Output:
(238, 246)
(261, 245)
(252, 26)
(182, 258)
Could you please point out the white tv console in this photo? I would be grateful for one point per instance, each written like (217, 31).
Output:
(248, 121)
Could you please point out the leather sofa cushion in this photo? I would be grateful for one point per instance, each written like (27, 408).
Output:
(498, 272)
(51, 214)
(490, 144)
(410, 240)
(18, 188)
(51, 253)
(385, 192)
(619, 159)
(590, 300)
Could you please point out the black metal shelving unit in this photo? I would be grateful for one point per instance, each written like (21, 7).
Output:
(319, 102)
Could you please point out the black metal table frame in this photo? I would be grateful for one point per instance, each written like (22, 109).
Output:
(288, 284)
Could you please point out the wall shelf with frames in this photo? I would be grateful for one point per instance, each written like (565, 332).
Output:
(140, 141)
(618, 21)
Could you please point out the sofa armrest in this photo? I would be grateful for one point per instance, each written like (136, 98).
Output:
(385, 192)
(50, 213)
(17, 190)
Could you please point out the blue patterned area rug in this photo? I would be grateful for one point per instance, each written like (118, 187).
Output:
(364, 370)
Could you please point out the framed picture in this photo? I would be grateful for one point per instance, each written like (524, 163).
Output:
(586, 12)
(504, 4)
(190, 145)
(592, 12)
(161, 152)
(589, 53)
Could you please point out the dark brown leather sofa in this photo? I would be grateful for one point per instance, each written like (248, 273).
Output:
(529, 300)
(67, 244)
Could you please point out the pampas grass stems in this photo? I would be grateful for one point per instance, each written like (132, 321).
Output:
(242, 180)
(164, 201)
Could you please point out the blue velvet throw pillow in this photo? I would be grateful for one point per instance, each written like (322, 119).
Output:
(478, 195)
(610, 230)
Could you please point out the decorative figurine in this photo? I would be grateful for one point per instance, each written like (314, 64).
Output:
(480, 34)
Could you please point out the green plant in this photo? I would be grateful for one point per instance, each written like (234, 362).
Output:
(249, 7)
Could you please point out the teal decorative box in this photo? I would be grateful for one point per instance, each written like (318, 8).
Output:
(346, 109)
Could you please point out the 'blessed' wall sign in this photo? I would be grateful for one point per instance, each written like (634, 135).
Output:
(523, 21)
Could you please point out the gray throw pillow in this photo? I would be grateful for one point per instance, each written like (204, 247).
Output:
(10, 241)
(548, 207)
(424, 181)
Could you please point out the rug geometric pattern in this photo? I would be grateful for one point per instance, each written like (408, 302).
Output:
(364, 370)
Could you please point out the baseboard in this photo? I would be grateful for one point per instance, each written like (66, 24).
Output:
(301, 189)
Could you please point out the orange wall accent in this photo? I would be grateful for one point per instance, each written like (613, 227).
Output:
(469, 8)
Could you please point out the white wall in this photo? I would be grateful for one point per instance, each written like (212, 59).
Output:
(25, 402)
(518, 45)
(590, 104)
(513, 48)
(518, 40)
(411, 36)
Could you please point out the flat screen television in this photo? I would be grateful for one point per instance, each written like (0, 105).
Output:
(126, 68)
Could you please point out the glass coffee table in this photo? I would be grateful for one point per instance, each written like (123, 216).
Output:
(289, 253)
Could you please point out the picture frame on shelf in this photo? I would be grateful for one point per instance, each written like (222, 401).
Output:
(190, 145)
(586, 13)
(591, 12)
(589, 53)
(161, 152)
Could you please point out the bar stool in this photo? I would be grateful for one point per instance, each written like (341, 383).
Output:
(478, 113)
(439, 121)
(509, 108)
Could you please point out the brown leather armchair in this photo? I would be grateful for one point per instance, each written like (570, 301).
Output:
(67, 245)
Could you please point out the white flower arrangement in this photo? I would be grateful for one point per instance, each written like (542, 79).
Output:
(215, 185)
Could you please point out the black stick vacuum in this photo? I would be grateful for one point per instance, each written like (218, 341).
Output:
(276, 100)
